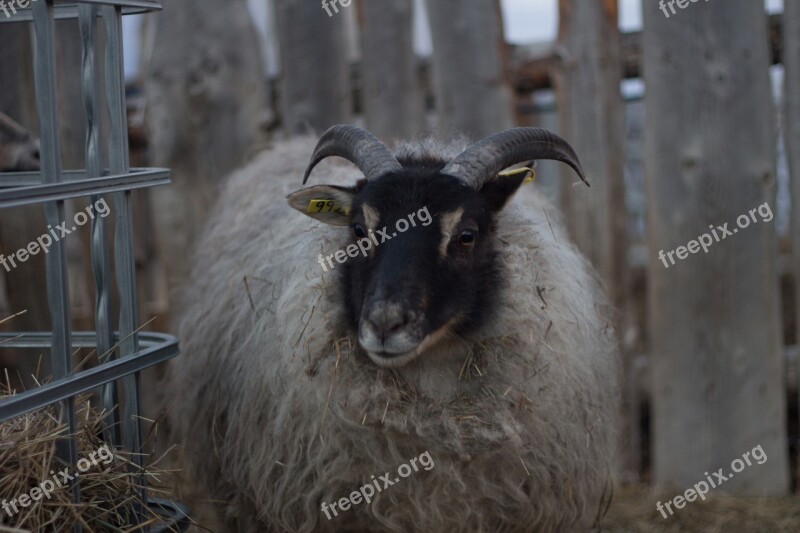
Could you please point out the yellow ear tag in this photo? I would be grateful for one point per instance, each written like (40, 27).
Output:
(514, 171)
(326, 205)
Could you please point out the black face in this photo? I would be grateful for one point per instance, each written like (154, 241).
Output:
(437, 278)
(426, 268)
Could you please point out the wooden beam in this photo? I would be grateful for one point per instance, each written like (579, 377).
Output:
(532, 65)
(391, 93)
(791, 95)
(472, 93)
(713, 318)
(591, 117)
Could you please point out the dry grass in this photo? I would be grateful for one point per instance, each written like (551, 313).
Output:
(634, 510)
(109, 492)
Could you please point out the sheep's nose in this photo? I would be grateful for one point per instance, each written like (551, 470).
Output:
(386, 320)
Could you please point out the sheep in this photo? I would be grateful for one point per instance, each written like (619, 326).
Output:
(19, 150)
(482, 339)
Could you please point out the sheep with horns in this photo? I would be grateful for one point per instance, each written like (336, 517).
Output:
(473, 334)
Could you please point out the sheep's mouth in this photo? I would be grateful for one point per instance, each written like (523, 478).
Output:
(393, 350)
(392, 360)
(387, 357)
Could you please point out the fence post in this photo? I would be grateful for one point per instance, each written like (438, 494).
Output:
(791, 95)
(391, 91)
(714, 318)
(473, 94)
(591, 118)
(315, 86)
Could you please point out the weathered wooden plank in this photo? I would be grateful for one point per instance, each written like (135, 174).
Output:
(204, 84)
(791, 131)
(532, 65)
(315, 89)
(472, 93)
(391, 96)
(591, 118)
(714, 317)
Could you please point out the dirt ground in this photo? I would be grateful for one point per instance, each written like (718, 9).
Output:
(634, 510)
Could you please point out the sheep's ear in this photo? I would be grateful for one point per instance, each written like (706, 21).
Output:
(498, 190)
(326, 203)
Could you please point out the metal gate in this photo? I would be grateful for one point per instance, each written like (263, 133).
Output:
(125, 352)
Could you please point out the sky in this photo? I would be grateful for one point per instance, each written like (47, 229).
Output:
(525, 21)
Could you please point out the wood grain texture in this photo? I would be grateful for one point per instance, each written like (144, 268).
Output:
(591, 118)
(392, 96)
(791, 94)
(473, 95)
(205, 91)
(315, 87)
(718, 388)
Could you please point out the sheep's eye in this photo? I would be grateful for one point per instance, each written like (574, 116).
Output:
(359, 231)
(466, 238)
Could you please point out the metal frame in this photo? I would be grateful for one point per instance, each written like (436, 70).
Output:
(125, 352)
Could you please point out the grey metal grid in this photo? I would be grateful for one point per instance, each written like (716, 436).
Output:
(125, 352)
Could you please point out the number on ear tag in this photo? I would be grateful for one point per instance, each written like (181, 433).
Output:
(325, 205)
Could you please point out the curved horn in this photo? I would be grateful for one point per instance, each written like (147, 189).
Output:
(486, 158)
(357, 146)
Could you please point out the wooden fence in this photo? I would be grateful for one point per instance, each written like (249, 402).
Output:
(708, 342)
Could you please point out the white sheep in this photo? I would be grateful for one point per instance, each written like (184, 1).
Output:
(297, 385)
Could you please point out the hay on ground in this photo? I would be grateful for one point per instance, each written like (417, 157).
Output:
(634, 510)
(109, 488)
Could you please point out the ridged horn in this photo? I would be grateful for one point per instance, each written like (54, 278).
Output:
(357, 146)
(483, 160)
